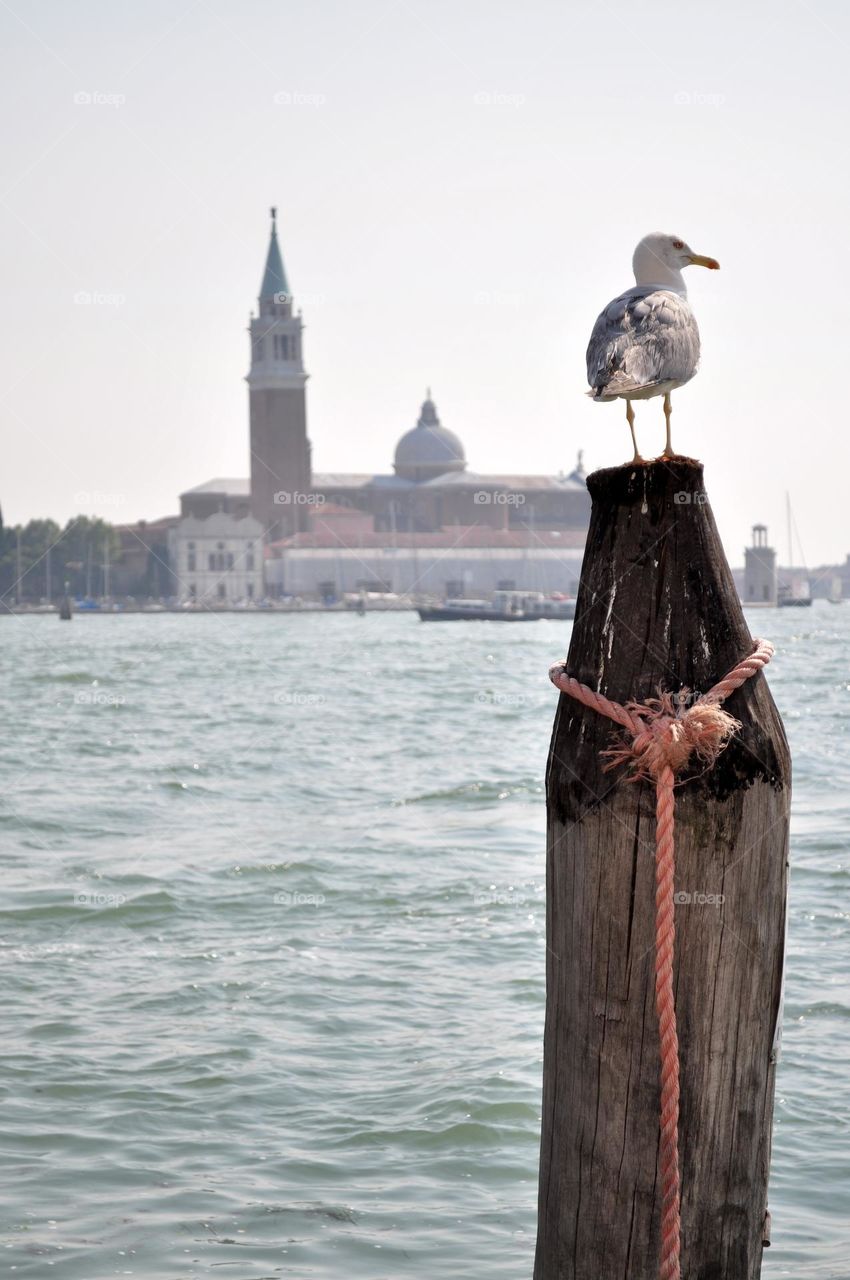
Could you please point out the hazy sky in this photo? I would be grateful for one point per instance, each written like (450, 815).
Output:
(460, 186)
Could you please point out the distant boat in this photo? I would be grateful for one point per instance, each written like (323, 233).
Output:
(836, 588)
(504, 606)
(795, 594)
(470, 611)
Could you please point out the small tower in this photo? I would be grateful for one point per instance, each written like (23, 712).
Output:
(759, 569)
(280, 451)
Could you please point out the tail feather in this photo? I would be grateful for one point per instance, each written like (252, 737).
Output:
(619, 385)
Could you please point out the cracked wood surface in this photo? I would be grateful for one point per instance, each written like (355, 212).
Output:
(657, 607)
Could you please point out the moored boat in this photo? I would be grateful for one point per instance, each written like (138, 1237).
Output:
(470, 610)
(504, 606)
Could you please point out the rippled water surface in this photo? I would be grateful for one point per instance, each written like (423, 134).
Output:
(273, 946)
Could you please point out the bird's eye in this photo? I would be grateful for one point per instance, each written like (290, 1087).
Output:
(678, 244)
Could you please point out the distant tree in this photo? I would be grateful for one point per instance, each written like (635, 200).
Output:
(38, 558)
(87, 545)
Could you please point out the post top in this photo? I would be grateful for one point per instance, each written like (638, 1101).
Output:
(658, 478)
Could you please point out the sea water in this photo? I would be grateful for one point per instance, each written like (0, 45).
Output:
(273, 946)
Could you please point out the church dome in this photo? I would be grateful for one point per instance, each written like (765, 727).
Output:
(429, 449)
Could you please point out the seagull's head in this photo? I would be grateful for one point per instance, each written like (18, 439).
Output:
(659, 259)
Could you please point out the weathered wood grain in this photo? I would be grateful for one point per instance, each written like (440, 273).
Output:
(657, 607)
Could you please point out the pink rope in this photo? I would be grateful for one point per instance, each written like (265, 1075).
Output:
(664, 737)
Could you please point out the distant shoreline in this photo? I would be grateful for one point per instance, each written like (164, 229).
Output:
(309, 607)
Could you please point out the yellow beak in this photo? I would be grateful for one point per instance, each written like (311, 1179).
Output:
(697, 260)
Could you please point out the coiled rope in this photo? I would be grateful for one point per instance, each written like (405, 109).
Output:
(663, 734)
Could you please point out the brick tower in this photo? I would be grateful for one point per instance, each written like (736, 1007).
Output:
(280, 451)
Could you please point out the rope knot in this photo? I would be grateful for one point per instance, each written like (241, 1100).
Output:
(670, 733)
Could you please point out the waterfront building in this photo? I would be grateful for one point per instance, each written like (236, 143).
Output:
(427, 525)
(216, 548)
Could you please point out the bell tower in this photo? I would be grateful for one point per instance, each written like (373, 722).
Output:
(280, 451)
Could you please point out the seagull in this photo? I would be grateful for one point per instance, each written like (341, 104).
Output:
(646, 342)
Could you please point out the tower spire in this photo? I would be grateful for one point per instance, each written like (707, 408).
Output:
(275, 287)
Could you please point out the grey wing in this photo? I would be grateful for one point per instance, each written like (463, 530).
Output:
(642, 338)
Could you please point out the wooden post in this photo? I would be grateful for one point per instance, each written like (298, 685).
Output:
(657, 608)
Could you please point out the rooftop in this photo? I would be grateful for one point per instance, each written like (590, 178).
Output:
(448, 479)
(454, 537)
(233, 488)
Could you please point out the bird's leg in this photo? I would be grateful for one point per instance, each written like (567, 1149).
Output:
(630, 418)
(668, 409)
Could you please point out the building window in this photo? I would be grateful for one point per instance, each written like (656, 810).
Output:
(258, 350)
(230, 559)
(284, 347)
(250, 590)
(193, 591)
(211, 560)
(221, 591)
(190, 560)
(249, 558)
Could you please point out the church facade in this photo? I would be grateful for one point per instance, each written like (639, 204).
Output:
(430, 524)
